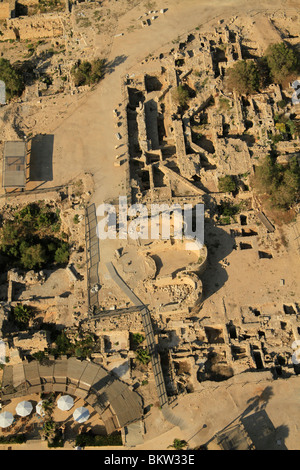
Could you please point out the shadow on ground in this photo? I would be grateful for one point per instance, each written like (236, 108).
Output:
(41, 156)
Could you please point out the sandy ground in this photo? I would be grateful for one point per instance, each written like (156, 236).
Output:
(216, 409)
(62, 418)
(213, 410)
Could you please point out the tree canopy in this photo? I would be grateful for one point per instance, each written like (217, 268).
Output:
(227, 184)
(27, 240)
(243, 77)
(88, 73)
(282, 61)
(281, 183)
(14, 84)
(279, 63)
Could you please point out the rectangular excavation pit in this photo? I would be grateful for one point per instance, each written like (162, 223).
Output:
(238, 352)
(214, 335)
(264, 255)
(243, 219)
(249, 232)
(289, 310)
(257, 359)
(231, 330)
(245, 246)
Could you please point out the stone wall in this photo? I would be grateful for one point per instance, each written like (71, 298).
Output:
(41, 26)
(7, 9)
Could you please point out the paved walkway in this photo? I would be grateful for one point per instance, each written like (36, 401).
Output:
(152, 347)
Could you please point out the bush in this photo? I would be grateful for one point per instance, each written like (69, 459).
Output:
(32, 256)
(88, 73)
(18, 439)
(92, 440)
(243, 77)
(179, 444)
(143, 356)
(13, 80)
(181, 95)
(280, 183)
(282, 61)
(62, 254)
(137, 338)
(227, 184)
(81, 348)
(22, 314)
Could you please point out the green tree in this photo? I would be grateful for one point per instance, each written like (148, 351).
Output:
(280, 183)
(181, 95)
(243, 77)
(178, 444)
(23, 314)
(32, 256)
(62, 254)
(88, 73)
(282, 62)
(14, 84)
(143, 356)
(137, 339)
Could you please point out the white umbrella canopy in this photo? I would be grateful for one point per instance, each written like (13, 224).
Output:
(81, 414)
(6, 419)
(24, 408)
(65, 402)
(39, 408)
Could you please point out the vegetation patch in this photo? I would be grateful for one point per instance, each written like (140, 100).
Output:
(88, 73)
(227, 184)
(27, 239)
(181, 96)
(81, 346)
(14, 84)
(281, 183)
(93, 440)
(280, 64)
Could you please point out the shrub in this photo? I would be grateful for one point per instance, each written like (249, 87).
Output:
(62, 254)
(143, 356)
(282, 104)
(17, 439)
(282, 61)
(181, 95)
(88, 73)
(243, 77)
(228, 209)
(32, 256)
(227, 184)
(90, 439)
(28, 241)
(280, 183)
(22, 314)
(178, 444)
(13, 80)
(137, 338)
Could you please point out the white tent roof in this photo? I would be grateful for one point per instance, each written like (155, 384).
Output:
(65, 402)
(24, 408)
(81, 414)
(6, 419)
